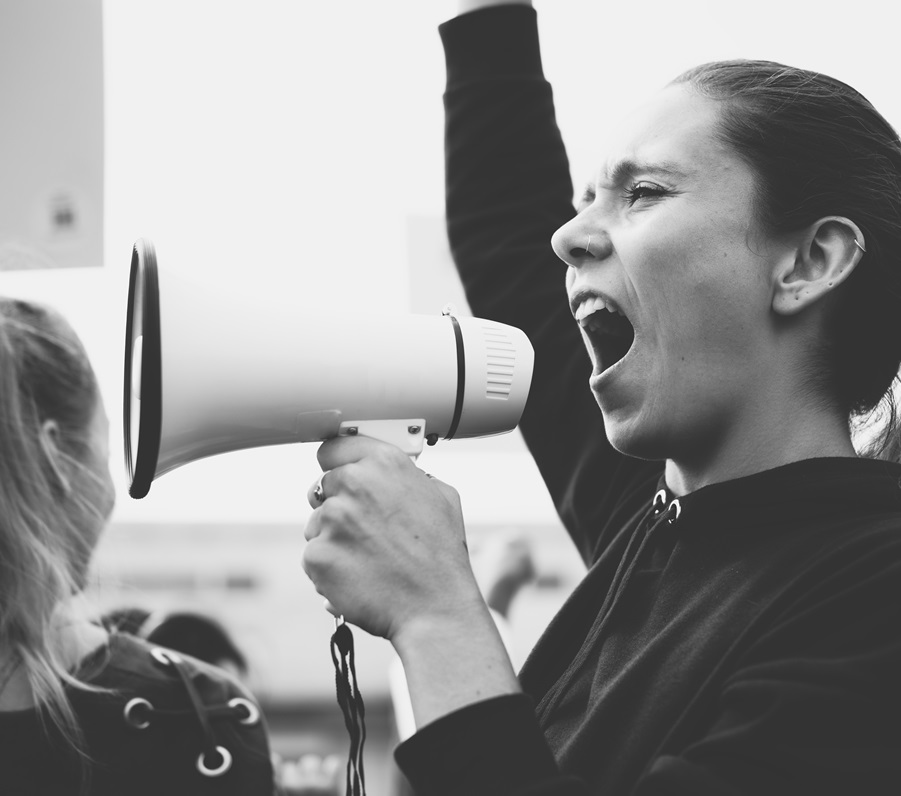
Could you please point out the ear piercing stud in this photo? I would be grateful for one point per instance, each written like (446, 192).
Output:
(857, 243)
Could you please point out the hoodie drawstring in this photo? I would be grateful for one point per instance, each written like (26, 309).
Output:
(661, 509)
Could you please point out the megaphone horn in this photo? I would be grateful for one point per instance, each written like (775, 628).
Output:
(207, 374)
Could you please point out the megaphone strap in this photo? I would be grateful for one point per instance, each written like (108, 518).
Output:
(351, 702)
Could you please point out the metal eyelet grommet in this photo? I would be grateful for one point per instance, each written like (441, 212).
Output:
(219, 770)
(165, 657)
(129, 713)
(253, 713)
(659, 501)
(675, 509)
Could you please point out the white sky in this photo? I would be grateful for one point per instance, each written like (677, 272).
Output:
(278, 147)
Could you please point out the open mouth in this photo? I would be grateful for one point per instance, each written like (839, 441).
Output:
(608, 330)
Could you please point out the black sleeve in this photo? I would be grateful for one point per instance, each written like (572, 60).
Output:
(508, 190)
(487, 749)
(811, 706)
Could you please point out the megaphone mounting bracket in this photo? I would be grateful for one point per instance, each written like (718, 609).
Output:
(406, 434)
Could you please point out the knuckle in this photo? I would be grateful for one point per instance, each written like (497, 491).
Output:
(347, 478)
(451, 494)
(335, 514)
(389, 453)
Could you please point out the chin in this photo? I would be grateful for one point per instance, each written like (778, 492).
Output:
(636, 436)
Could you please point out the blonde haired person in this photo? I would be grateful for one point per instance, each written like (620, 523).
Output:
(83, 710)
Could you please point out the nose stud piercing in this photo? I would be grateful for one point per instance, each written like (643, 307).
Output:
(588, 246)
(857, 243)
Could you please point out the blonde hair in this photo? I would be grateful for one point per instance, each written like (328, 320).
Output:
(45, 375)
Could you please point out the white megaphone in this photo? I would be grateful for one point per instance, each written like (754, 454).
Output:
(206, 374)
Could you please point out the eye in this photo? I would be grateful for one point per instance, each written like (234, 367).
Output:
(643, 191)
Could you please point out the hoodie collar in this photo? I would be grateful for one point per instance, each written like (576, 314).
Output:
(802, 489)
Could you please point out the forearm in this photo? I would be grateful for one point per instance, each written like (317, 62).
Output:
(508, 183)
(508, 190)
(454, 662)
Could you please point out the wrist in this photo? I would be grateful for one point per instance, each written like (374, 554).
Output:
(451, 662)
(440, 629)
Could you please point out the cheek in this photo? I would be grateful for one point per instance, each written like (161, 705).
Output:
(99, 494)
(701, 291)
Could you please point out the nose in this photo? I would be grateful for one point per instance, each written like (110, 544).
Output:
(577, 243)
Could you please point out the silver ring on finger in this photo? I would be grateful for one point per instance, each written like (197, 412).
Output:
(318, 492)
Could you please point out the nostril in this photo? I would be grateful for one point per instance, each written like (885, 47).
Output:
(578, 253)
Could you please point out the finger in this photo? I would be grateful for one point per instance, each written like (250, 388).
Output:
(316, 494)
(339, 451)
(312, 529)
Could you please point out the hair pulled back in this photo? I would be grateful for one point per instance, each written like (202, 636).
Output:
(45, 375)
(819, 148)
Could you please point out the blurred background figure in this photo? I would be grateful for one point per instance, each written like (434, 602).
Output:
(310, 775)
(184, 631)
(503, 564)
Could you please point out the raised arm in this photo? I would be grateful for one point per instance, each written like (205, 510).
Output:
(508, 190)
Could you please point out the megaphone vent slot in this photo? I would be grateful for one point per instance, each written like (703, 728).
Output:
(500, 362)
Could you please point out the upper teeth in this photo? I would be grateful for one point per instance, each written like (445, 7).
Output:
(592, 305)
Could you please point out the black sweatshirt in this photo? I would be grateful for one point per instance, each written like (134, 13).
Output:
(744, 639)
(146, 748)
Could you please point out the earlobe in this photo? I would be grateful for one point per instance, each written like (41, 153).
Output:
(50, 444)
(825, 257)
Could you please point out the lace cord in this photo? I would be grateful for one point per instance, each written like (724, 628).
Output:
(200, 710)
(212, 751)
(351, 703)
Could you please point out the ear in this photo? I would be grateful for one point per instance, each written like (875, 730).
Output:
(50, 435)
(826, 254)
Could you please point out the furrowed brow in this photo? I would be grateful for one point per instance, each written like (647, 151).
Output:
(617, 173)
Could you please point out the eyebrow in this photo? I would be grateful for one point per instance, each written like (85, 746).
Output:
(617, 172)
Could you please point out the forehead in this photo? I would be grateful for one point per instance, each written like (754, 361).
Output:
(675, 131)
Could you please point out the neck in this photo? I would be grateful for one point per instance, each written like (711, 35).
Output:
(764, 443)
(72, 640)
